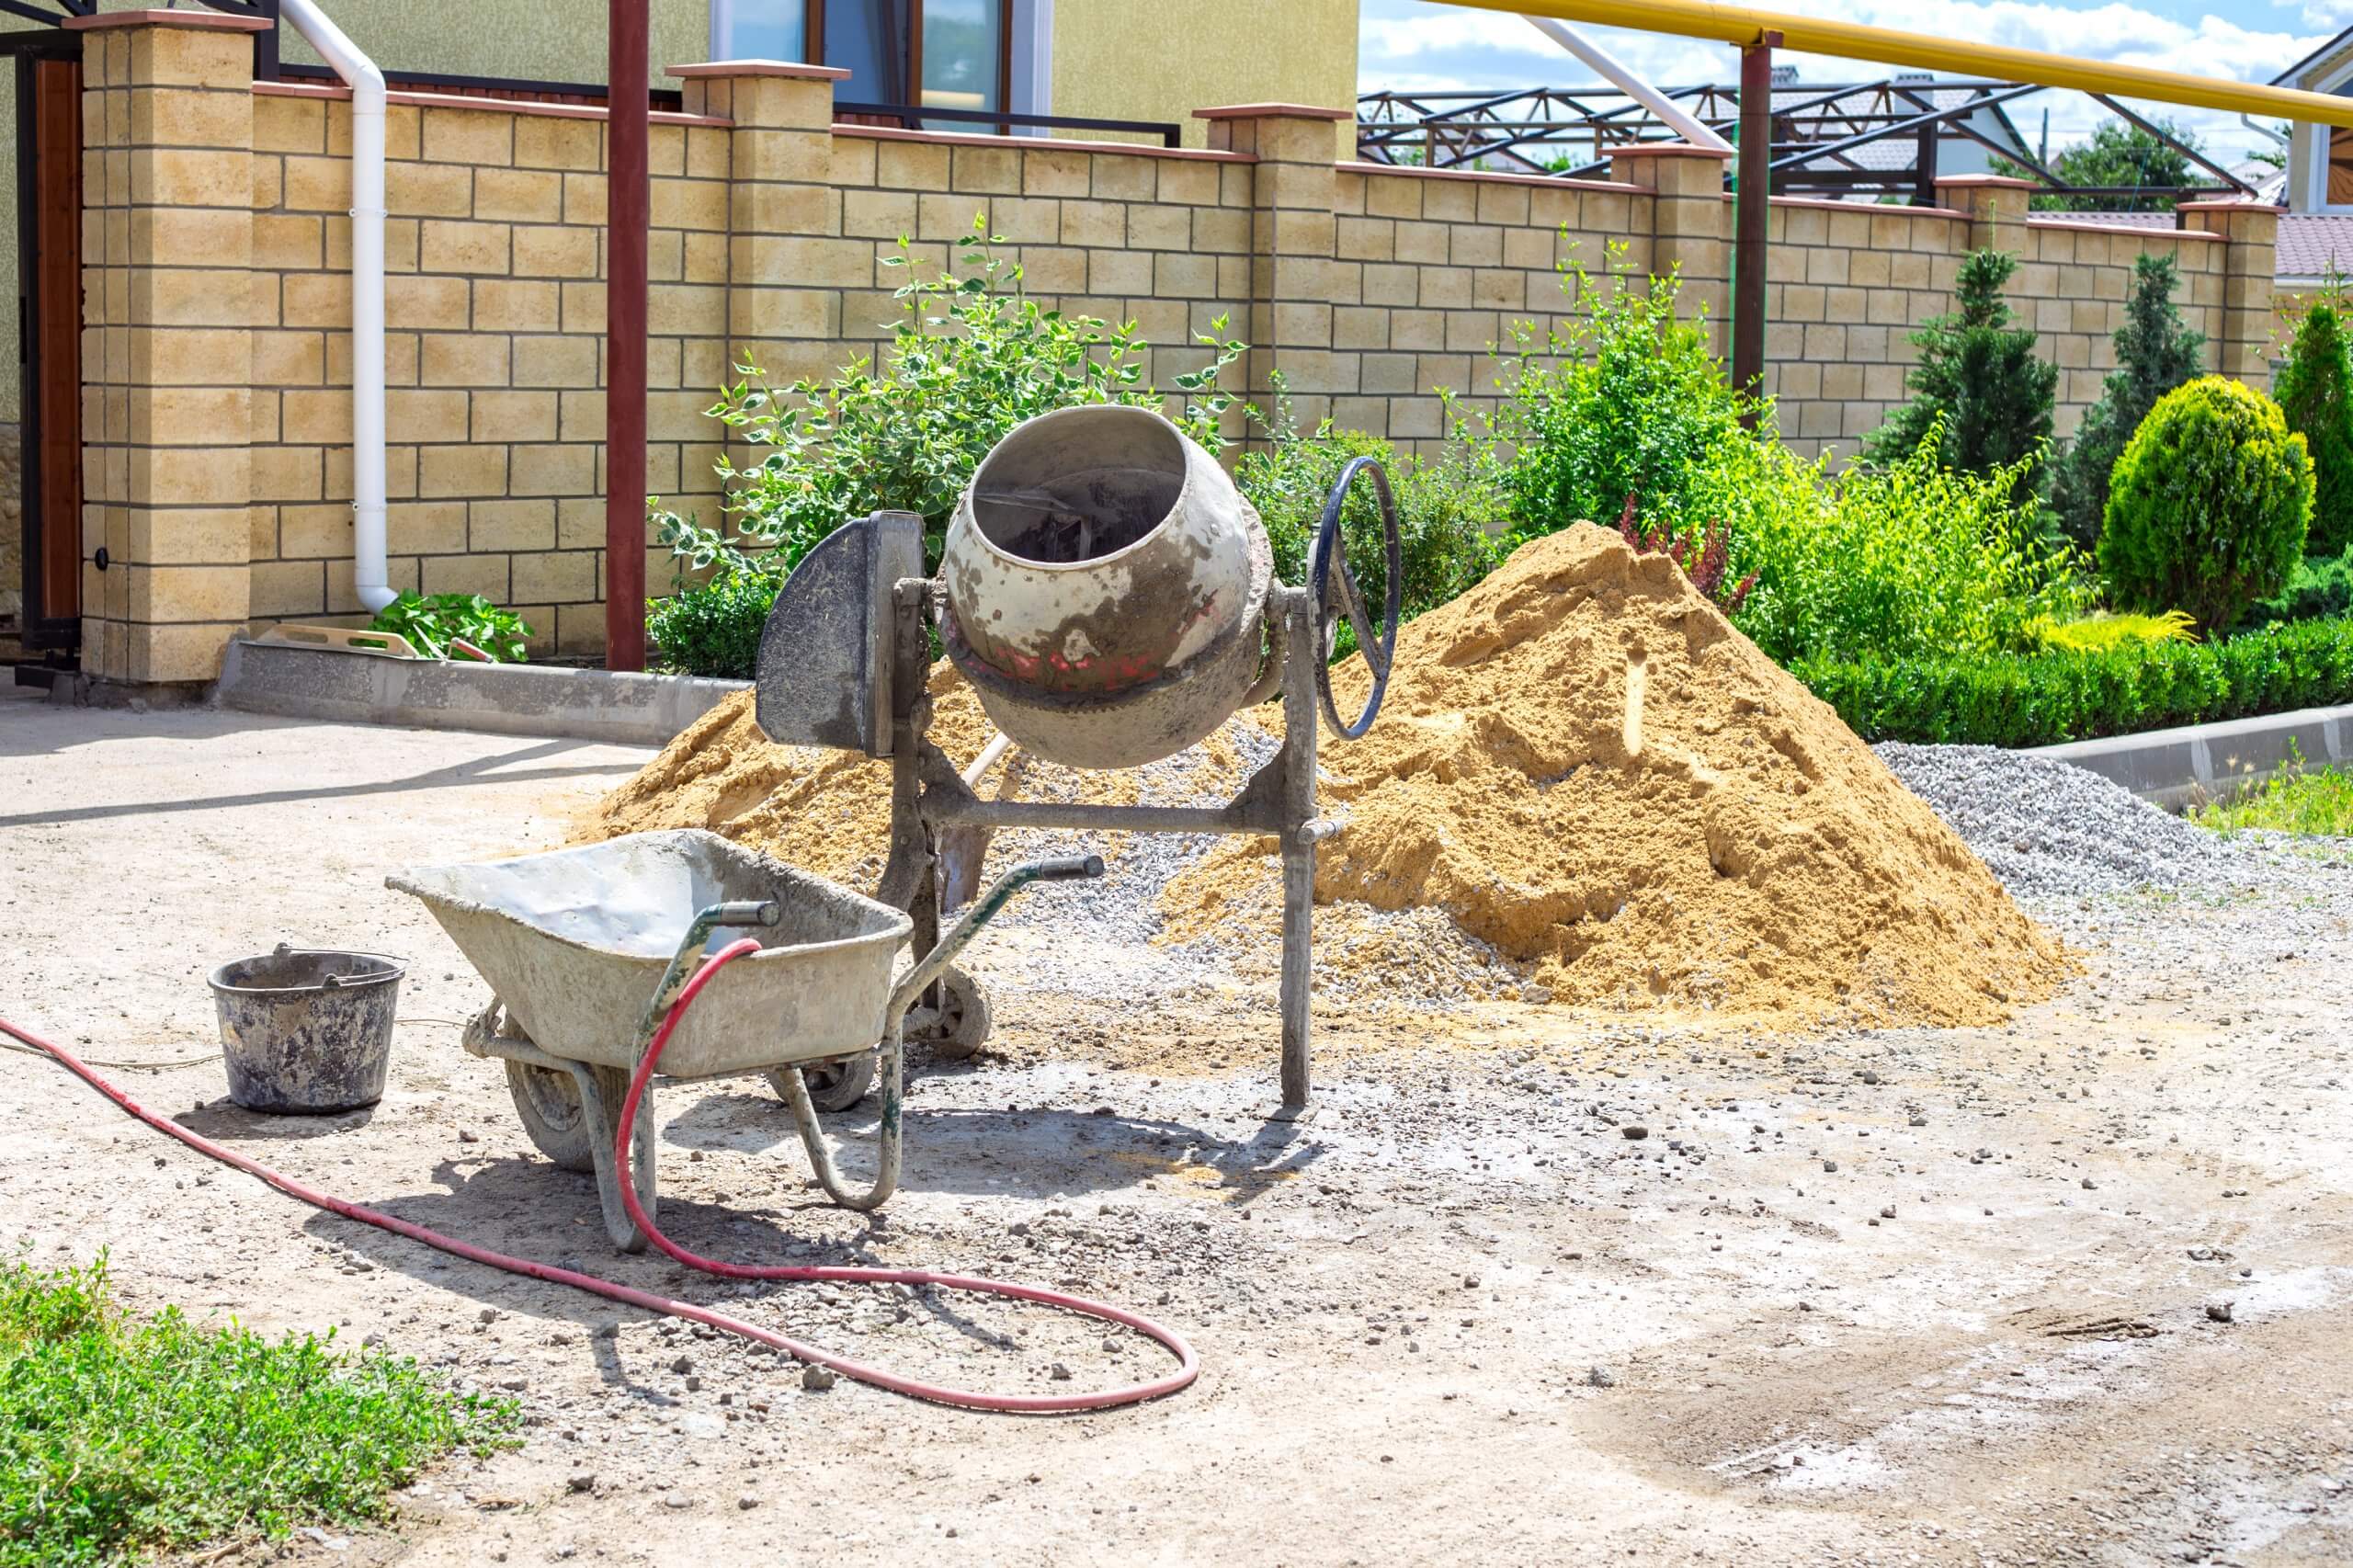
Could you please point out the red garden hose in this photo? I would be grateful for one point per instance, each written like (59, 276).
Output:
(1187, 1363)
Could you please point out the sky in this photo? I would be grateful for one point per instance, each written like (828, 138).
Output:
(1408, 44)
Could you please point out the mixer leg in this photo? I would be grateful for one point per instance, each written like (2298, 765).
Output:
(1304, 648)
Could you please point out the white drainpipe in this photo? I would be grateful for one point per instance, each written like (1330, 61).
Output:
(1624, 77)
(369, 574)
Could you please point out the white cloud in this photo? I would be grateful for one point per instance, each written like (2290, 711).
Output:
(1413, 46)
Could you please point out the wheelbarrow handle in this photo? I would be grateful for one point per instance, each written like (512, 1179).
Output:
(926, 969)
(749, 911)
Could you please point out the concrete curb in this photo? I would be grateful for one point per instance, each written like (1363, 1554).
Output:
(623, 707)
(2175, 767)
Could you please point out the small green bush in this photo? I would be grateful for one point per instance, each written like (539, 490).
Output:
(2032, 699)
(2315, 395)
(2099, 633)
(1905, 561)
(1978, 391)
(121, 1438)
(1622, 398)
(430, 625)
(2155, 354)
(2209, 505)
(1445, 510)
(971, 355)
(2320, 585)
(713, 629)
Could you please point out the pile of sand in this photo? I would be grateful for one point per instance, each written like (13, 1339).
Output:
(1579, 763)
(1584, 766)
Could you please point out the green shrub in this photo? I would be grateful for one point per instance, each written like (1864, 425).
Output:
(970, 357)
(1904, 561)
(2320, 585)
(1623, 397)
(2315, 395)
(2099, 633)
(2155, 354)
(121, 1438)
(2032, 699)
(2209, 505)
(1978, 391)
(1445, 510)
(713, 629)
(431, 624)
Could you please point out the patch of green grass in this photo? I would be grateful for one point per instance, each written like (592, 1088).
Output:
(122, 1436)
(2295, 800)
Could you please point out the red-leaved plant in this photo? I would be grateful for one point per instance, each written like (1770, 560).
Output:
(1705, 570)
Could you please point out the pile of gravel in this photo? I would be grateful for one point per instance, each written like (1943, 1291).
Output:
(2048, 829)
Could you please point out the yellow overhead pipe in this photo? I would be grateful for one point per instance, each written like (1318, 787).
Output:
(1850, 41)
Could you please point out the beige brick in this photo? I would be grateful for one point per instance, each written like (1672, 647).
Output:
(483, 575)
(189, 57)
(555, 252)
(425, 527)
(279, 359)
(553, 361)
(413, 414)
(191, 297)
(511, 525)
(312, 184)
(283, 240)
(446, 245)
(555, 577)
(423, 303)
(288, 125)
(879, 215)
(502, 304)
(428, 191)
(185, 594)
(188, 536)
(988, 170)
(507, 417)
(470, 136)
(461, 471)
(689, 204)
(545, 142)
(911, 165)
(314, 532)
(285, 473)
(541, 470)
(463, 359)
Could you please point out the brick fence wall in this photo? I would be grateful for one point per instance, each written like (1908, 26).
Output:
(217, 384)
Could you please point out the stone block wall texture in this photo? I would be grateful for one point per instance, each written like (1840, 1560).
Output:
(218, 364)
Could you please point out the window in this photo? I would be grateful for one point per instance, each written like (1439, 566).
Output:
(757, 30)
(2339, 190)
(945, 54)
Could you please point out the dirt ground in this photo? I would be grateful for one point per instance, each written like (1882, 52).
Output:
(1892, 1297)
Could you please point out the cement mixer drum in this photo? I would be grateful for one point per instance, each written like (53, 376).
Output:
(1106, 588)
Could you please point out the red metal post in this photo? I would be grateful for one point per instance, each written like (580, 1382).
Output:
(1752, 190)
(628, 214)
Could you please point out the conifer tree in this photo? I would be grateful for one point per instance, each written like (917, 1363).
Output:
(1978, 387)
(2155, 354)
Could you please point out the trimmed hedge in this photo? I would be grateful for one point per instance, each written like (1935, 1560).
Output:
(2033, 700)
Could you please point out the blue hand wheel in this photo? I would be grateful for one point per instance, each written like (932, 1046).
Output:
(1336, 593)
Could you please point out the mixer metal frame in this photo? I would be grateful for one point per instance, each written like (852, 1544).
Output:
(928, 797)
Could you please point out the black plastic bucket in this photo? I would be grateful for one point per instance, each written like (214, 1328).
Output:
(307, 1031)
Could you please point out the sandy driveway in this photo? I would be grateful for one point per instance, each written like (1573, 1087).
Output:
(1892, 1297)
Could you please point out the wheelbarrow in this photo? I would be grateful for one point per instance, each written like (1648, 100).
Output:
(585, 950)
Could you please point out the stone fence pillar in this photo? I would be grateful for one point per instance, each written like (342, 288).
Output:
(1996, 206)
(1293, 278)
(1690, 222)
(2251, 230)
(167, 345)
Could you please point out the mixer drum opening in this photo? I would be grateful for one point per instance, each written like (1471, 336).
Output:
(1058, 492)
(1106, 587)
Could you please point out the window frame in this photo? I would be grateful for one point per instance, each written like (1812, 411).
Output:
(1021, 22)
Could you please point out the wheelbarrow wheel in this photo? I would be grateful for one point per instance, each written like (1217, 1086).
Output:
(833, 1085)
(548, 1104)
(958, 1026)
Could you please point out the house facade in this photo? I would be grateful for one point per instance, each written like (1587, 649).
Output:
(1120, 60)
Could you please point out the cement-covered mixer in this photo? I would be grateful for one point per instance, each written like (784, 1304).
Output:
(1110, 596)
(1106, 588)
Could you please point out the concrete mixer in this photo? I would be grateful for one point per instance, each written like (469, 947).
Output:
(1111, 597)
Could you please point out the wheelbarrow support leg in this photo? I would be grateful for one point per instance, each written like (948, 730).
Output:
(602, 1090)
(911, 985)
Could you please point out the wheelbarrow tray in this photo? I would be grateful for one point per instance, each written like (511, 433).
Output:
(573, 942)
